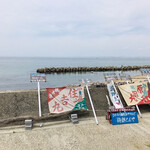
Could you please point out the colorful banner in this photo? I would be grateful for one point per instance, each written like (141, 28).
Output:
(66, 99)
(114, 97)
(135, 94)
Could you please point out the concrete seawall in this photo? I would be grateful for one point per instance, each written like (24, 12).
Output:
(16, 106)
(25, 102)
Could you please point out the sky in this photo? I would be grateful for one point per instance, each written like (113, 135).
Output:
(75, 28)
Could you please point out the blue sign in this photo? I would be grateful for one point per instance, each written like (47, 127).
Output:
(124, 117)
(34, 77)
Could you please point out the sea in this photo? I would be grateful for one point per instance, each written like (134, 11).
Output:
(15, 71)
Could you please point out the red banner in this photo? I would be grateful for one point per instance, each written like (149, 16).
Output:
(66, 99)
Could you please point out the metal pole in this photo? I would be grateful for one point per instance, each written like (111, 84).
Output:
(92, 104)
(114, 87)
(39, 100)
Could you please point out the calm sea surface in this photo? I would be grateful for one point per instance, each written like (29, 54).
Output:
(15, 72)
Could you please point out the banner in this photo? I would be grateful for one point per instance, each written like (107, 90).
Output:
(114, 97)
(66, 99)
(135, 94)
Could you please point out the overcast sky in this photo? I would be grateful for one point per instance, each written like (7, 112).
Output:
(75, 28)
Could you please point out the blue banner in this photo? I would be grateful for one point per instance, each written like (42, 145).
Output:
(124, 117)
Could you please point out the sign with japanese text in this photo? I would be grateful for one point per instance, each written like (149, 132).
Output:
(124, 76)
(145, 71)
(115, 99)
(120, 110)
(34, 77)
(135, 94)
(124, 117)
(66, 99)
(110, 76)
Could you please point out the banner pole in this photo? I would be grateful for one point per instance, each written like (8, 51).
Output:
(39, 100)
(148, 79)
(138, 111)
(108, 100)
(114, 87)
(92, 104)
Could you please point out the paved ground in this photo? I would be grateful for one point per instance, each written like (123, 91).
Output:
(86, 135)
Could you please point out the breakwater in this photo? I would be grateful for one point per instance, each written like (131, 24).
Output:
(88, 69)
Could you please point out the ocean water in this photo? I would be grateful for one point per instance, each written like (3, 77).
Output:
(15, 72)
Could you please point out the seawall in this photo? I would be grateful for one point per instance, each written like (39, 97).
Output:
(16, 106)
(25, 102)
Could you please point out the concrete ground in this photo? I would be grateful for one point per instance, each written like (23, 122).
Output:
(63, 135)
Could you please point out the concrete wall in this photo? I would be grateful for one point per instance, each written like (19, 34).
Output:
(25, 102)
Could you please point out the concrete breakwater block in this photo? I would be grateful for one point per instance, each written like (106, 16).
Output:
(89, 69)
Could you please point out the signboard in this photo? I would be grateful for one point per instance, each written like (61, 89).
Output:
(65, 99)
(124, 117)
(34, 77)
(110, 76)
(135, 94)
(124, 76)
(115, 99)
(145, 71)
(120, 110)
